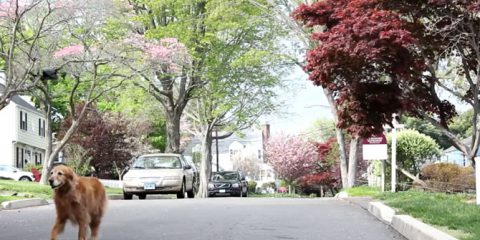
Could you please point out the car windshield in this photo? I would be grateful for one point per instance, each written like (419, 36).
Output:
(157, 162)
(224, 176)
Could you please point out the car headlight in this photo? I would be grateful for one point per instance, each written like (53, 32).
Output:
(235, 185)
(210, 186)
(171, 178)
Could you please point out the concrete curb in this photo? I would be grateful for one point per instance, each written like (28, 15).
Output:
(115, 197)
(23, 203)
(414, 229)
(381, 211)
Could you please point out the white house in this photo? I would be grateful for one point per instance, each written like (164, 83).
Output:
(22, 134)
(235, 151)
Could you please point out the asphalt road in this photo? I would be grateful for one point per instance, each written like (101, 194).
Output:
(211, 219)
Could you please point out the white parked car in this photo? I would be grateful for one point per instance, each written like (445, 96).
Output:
(9, 172)
(162, 173)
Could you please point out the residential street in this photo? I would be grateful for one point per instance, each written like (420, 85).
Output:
(210, 219)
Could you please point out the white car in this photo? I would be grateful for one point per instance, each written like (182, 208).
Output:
(161, 173)
(9, 172)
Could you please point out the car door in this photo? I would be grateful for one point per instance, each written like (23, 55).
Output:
(188, 174)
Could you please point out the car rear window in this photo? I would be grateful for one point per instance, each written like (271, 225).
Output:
(224, 176)
(157, 162)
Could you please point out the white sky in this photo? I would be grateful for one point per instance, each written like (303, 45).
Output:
(301, 105)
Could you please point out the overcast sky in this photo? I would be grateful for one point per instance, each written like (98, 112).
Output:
(301, 108)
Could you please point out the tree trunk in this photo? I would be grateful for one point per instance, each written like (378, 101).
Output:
(206, 162)
(410, 175)
(340, 139)
(48, 164)
(49, 137)
(352, 161)
(173, 130)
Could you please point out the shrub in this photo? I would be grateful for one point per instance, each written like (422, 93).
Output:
(31, 166)
(252, 185)
(269, 185)
(448, 177)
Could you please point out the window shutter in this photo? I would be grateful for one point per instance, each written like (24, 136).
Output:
(21, 120)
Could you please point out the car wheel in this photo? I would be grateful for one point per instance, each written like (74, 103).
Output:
(127, 196)
(181, 194)
(142, 196)
(191, 194)
(25, 179)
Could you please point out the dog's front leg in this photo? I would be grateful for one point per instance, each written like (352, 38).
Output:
(82, 231)
(58, 228)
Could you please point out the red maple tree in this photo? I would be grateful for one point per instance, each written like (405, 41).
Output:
(381, 57)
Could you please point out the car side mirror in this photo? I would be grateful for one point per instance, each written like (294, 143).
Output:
(243, 178)
(187, 167)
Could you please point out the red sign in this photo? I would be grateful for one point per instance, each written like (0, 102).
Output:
(375, 139)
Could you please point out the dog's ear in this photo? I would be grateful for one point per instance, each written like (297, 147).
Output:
(70, 174)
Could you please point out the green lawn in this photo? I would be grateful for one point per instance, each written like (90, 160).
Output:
(362, 191)
(449, 212)
(32, 190)
(25, 189)
(440, 209)
(9, 198)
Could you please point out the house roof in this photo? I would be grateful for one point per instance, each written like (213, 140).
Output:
(466, 141)
(16, 99)
(224, 144)
(21, 102)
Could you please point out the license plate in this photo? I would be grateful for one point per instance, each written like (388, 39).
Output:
(149, 186)
(221, 191)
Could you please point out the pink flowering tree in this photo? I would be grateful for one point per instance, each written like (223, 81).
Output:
(291, 157)
(29, 31)
(164, 65)
(90, 67)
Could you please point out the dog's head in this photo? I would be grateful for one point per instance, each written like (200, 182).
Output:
(60, 176)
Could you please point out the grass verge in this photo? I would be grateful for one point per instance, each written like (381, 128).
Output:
(33, 190)
(362, 191)
(439, 209)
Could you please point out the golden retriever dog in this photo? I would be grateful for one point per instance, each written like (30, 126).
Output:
(81, 200)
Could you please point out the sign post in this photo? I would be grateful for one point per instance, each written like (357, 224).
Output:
(375, 148)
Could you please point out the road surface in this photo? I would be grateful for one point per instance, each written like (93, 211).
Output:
(211, 219)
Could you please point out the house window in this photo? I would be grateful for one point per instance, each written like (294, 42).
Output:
(41, 127)
(23, 120)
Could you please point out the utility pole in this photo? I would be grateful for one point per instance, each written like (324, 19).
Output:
(216, 147)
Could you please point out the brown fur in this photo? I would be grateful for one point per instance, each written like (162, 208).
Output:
(81, 200)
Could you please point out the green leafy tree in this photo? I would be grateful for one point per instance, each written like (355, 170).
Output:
(461, 126)
(414, 149)
(243, 67)
(321, 130)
